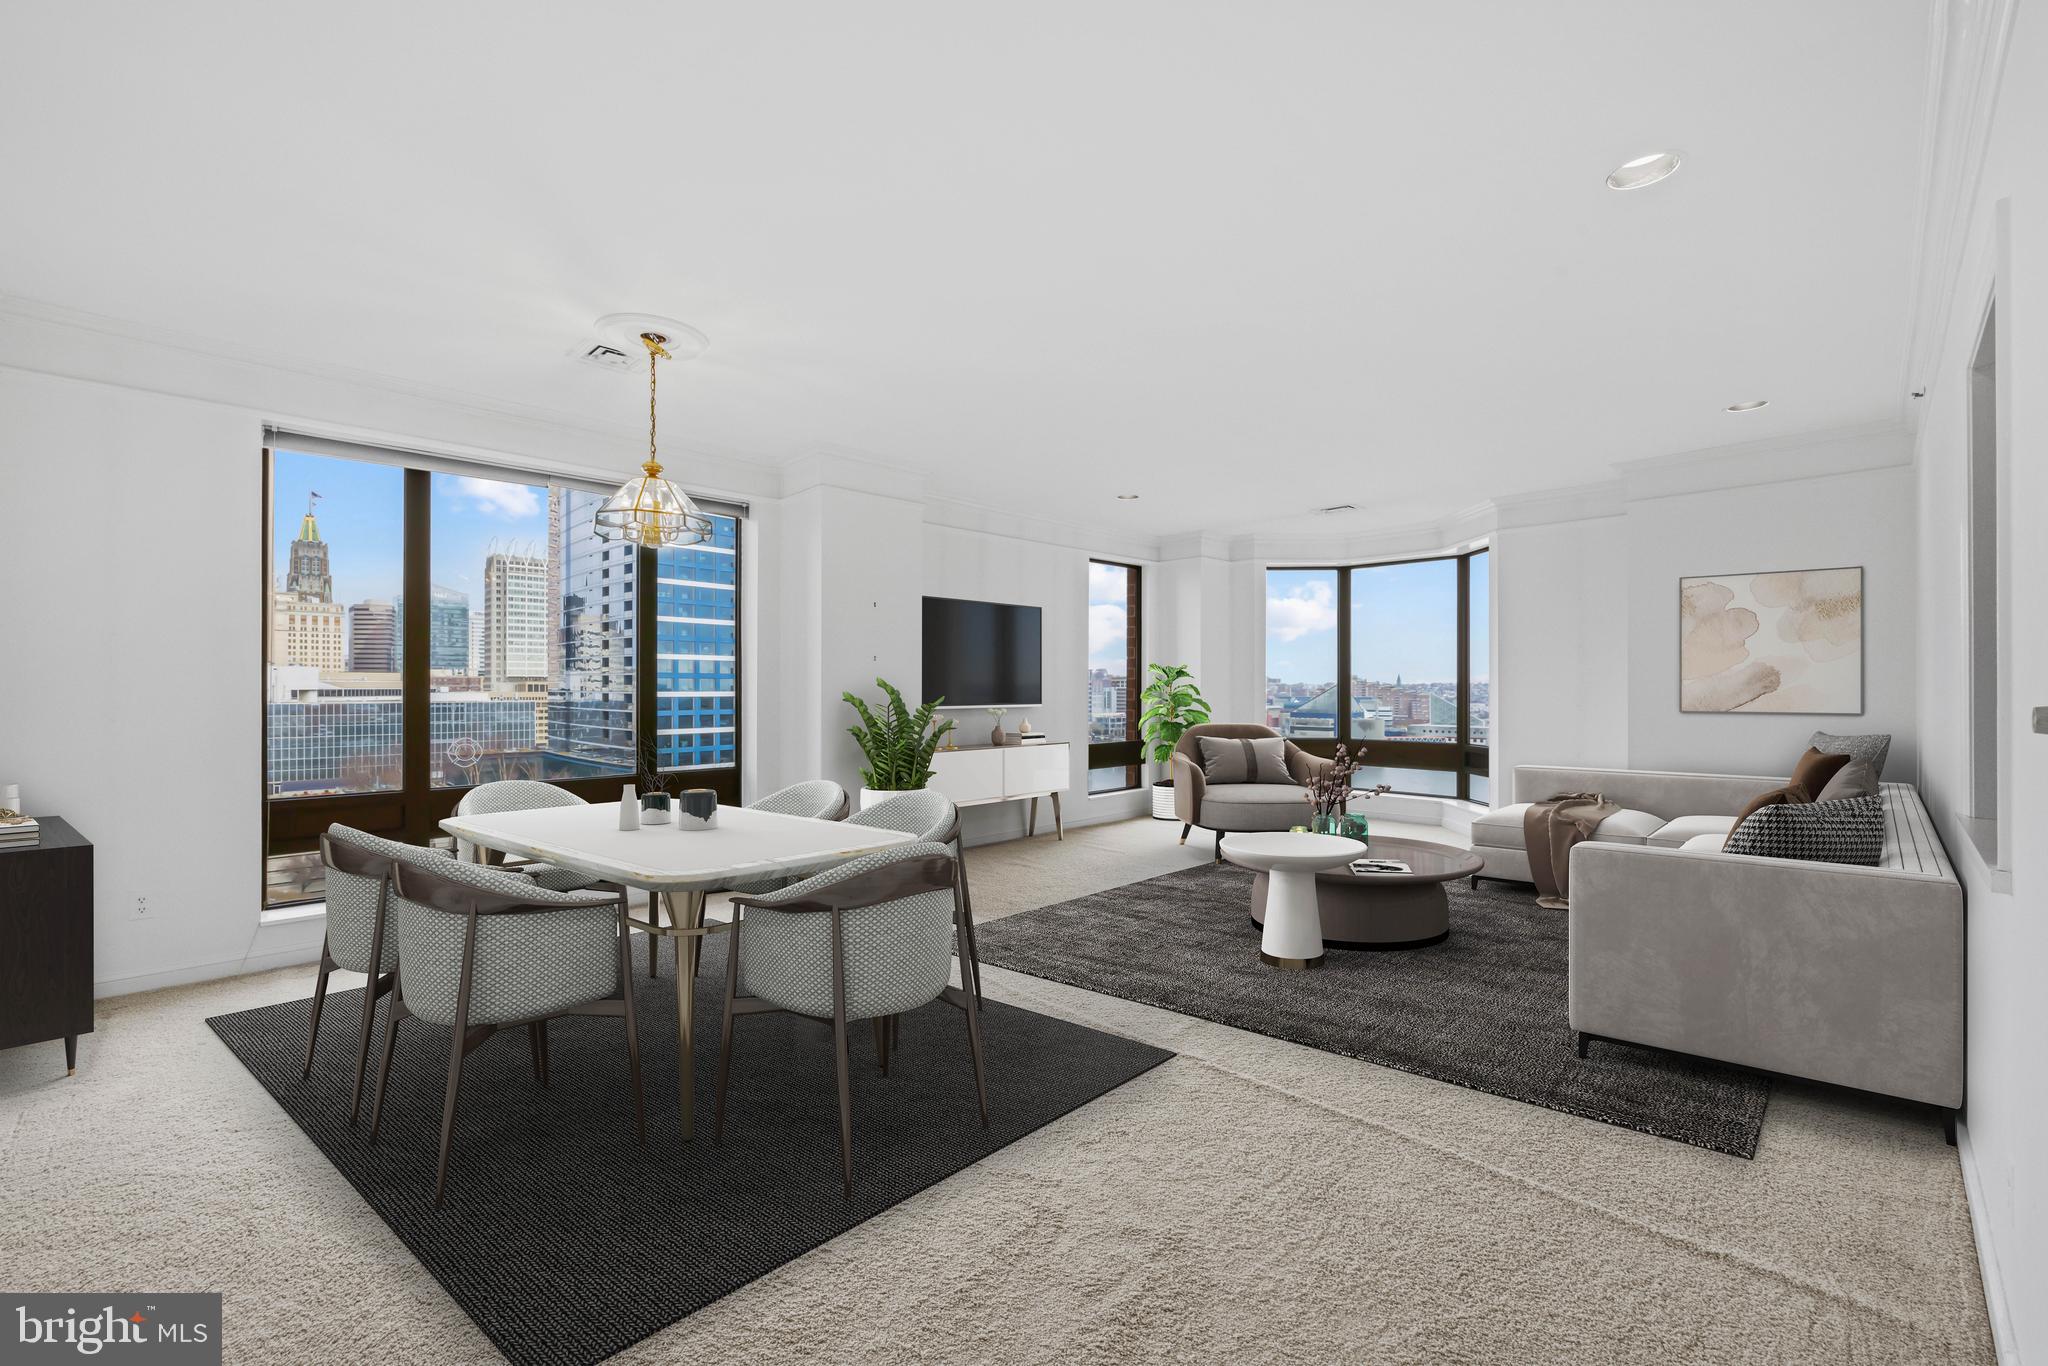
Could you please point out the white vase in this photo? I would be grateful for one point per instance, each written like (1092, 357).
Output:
(629, 809)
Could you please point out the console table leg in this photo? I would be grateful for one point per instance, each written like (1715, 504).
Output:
(1059, 822)
(70, 1055)
(1031, 827)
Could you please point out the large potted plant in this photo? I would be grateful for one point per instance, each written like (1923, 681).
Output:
(1172, 703)
(898, 744)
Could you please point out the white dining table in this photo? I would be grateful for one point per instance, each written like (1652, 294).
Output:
(676, 867)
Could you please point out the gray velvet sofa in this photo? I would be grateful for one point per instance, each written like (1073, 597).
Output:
(1836, 972)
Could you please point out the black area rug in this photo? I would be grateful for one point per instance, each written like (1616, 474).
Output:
(565, 1240)
(1485, 1008)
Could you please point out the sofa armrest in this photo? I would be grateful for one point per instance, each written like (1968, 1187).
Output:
(1836, 972)
(1188, 786)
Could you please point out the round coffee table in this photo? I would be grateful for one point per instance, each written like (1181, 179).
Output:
(1287, 865)
(1384, 910)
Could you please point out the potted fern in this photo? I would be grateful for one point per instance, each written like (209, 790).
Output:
(1171, 704)
(897, 744)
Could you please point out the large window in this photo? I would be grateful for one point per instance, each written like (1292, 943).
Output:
(535, 656)
(1115, 676)
(1389, 659)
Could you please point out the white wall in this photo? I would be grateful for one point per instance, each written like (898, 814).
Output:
(991, 567)
(1861, 518)
(1562, 640)
(2004, 248)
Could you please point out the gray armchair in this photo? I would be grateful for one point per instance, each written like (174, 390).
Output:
(1230, 807)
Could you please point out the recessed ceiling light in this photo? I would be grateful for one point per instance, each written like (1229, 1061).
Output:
(1127, 497)
(1748, 406)
(1633, 175)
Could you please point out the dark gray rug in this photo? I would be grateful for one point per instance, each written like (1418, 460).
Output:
(1485, 1008)
(565, 1240)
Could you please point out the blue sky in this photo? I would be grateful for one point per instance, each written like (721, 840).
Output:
(362, 519)
(1403, 622)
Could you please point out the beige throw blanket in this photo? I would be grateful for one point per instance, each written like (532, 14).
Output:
(1549, 830)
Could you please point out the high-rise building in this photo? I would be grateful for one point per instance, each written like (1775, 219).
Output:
(476, 644)
(515, 620)
(373, 637)
(696, 664)
(307, 574)
(306, 631)
(449, 650)
(590, 711)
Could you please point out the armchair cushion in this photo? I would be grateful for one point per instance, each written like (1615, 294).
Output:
(1254, 806)
(1245, 759)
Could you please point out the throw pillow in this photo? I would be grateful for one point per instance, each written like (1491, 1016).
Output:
(1854, 779)
(1788, 795)
(1814, 769)
(1847, 831)
(1245, 761)
(1872, 749)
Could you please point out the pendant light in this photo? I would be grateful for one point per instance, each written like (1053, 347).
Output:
(650, 510)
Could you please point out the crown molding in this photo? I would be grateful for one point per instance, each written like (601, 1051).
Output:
(1967, 45)
(1567, 503)
(1194, 545)
(1773, 460)
(963, 515)
(294, 392)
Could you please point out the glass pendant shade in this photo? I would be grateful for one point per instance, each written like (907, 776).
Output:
(652, 511)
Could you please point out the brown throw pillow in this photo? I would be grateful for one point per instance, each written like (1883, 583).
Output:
(1814, 769)
(1791, 794)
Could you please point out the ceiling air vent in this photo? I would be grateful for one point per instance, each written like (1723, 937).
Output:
(603, 356)
(1339, 507)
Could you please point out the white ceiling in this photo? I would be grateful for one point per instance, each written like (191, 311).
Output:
(1243, 259)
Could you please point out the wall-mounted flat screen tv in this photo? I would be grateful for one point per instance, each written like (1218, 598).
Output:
(983, 654)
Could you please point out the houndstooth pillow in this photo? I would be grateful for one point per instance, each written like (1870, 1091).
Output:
(1846, 831)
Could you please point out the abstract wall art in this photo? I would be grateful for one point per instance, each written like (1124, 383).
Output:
(1783, 642)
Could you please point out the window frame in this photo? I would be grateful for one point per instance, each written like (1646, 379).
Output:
(1128, 753)
(1461, 757)
(413, 811)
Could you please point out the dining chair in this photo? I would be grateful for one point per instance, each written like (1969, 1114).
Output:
(520, 794)
(358, 883)
(818, 799)
(483, 949)
(866, 940)
(931, 815)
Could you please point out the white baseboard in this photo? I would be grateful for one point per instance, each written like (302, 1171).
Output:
(2002, 1341)
(289, 956)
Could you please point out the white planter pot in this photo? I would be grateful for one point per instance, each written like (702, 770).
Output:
(873, 796)
(1162, 802)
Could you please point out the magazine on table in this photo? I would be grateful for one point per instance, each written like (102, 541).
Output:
(1379, 865)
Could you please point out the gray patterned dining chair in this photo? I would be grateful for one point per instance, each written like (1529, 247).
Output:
(358, 881)
(819, 799)
(484, 949)
(867, 940)
(520, 794)
(931, 815)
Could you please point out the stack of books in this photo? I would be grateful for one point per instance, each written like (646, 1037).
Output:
(16, 831)
(1033, 738)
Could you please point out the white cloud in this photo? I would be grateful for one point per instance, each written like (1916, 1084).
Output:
(1308, 607)
(1107, 582)
(1105, 635)
(503, 500)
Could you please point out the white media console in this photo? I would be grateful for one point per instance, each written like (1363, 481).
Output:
(978, 775)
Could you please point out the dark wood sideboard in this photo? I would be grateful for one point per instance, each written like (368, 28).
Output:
(46, 940)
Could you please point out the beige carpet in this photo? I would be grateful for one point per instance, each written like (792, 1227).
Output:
(1251, 1201)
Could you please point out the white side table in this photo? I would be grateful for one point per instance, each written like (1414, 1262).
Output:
(1294, 926)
